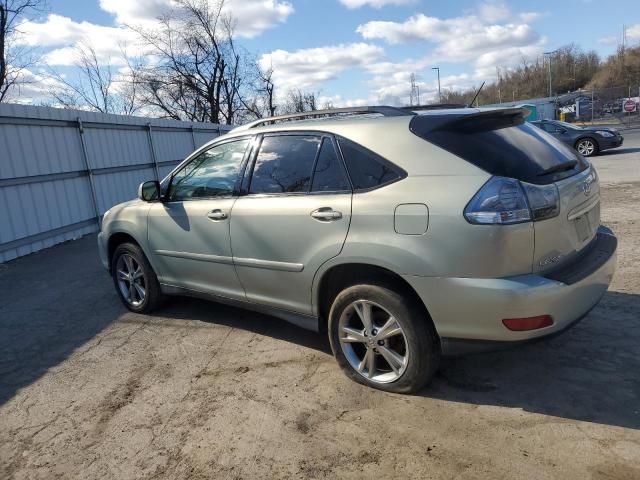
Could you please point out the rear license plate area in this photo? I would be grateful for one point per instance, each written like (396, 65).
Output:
(584, 229)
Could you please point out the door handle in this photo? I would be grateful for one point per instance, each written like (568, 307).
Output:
(326, 214)
(217, 214)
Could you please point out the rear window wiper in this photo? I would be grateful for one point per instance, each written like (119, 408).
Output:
(560, 167)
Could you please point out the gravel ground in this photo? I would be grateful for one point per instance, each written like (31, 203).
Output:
(200, 390)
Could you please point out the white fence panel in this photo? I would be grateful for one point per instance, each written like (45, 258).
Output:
(60, 170)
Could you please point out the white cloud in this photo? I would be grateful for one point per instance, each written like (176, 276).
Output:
(374, 3)
(492, 37)
(33, 87)
(391, 83)
(309, 67)
(632, 34)
(252, 17)
(62, 34)
(337, 101)
(494, 11)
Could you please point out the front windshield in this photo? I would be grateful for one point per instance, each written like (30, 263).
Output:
(568, 125)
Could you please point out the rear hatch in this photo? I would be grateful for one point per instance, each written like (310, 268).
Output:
(558, 239)
(503, 144)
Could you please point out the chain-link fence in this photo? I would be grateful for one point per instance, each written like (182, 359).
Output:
(615, 106)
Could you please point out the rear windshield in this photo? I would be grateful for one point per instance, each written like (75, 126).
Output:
(502, 145)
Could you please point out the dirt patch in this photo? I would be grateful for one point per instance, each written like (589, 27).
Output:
(88, 390)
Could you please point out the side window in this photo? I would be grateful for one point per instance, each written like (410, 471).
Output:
(329, 175)
(213, 173)
(284, 164)
(366, 169)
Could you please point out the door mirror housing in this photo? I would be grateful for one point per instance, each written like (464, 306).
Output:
(149, 191)
(560, 130)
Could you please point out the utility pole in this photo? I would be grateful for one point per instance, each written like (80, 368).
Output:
(548, 54)
(439, 92)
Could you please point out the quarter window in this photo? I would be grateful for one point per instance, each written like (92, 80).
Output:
(213, 173)
(329, 175)
(366, 169)
(284, 164)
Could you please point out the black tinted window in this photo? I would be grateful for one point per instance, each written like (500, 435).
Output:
(504, 145)
(329, 175)
(366, 169)
(213, 173)
(284, 164)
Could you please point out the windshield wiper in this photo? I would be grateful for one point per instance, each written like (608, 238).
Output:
(561, 167)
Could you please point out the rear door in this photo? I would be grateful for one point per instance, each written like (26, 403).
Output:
(294, 217)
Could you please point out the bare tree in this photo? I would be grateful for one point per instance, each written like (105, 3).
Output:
(15, 60)
(299, 101)
(96, 86)
(262, 102)
(200, 74)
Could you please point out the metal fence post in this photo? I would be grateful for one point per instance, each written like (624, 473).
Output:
(153, 151)
(193, 138)
(87, 164)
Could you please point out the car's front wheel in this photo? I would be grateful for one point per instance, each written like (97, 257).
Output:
(587, 147)
(383, 339)
(134, 279)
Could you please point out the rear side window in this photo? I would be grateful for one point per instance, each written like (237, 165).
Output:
(284, 164)
(367, 169)
(329, 174)
(502, 145)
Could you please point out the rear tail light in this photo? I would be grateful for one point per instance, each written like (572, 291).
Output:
(528, 323)
(507, 201)
(544, 200)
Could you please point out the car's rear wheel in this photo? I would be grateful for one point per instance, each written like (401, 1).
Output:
(134, 279)
(587, 147)
(383, 339)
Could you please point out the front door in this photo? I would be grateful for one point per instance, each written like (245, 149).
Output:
(189, 231)
(294, 218)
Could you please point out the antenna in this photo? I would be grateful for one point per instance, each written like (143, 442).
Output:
(476, 95)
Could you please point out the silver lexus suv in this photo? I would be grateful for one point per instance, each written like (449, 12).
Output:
(405, 236)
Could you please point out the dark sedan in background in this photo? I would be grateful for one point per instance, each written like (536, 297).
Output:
(588, 141)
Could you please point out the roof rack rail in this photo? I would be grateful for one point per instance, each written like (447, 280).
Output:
(385, 111)
(435, 106)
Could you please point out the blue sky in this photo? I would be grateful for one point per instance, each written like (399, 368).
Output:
(363, 51)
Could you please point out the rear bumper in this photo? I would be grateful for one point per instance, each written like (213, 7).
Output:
(468, 312)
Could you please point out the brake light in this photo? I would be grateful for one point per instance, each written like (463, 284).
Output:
(528, 323)
(505, 201)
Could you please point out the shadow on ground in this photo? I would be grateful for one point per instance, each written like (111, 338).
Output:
(589, 373)
(620, 150)
(52, 304)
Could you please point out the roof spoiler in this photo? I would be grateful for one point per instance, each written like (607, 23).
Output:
(467, 123)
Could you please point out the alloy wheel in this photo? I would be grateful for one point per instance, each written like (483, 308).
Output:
(373, 341)
(131, 279)
(586, 147)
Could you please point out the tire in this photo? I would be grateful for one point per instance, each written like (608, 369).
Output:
(587, 147)
(420, 352)
(146, 280)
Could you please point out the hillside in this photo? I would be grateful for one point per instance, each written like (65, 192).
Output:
(571, 69)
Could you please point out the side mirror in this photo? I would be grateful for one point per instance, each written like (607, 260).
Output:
(560, 130)
(149, 191)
